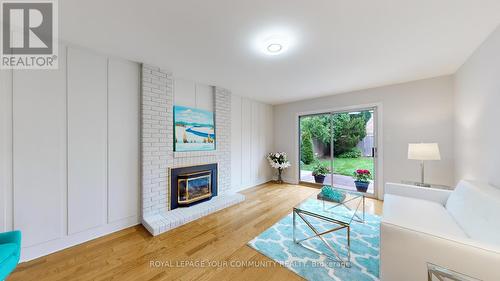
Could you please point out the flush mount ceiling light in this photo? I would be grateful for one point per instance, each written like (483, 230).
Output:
(274, 42)
(274, 48)
(274, 45)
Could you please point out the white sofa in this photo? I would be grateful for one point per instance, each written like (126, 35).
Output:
(458, 230)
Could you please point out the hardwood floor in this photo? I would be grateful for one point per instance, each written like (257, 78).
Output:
(131, 254)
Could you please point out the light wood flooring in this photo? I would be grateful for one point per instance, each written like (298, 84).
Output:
(222, 236)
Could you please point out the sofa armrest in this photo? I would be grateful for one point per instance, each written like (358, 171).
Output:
(405, 253)
(11, 237)
(425, 193)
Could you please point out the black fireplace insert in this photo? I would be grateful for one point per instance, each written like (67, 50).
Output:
(192, 185)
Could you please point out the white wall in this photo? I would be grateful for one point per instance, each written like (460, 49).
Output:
(70, 151)
(5, 150)
(477, 130)
(123, 144)
(420, 111)
(192, 94)
(251, 139)
(39, 153)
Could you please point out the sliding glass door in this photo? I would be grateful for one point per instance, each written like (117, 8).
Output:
(336, 145)
(316, 148)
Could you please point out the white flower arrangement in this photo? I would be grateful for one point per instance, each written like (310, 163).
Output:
(278, 160)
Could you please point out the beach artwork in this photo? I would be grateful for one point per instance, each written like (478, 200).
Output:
(193, 129)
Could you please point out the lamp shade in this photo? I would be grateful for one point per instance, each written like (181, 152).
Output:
(423, 151)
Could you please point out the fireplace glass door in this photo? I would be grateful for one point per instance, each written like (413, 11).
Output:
(194, 187)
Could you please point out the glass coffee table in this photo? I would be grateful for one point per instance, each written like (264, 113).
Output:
(340, 214)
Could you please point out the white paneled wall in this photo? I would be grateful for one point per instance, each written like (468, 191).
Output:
(87, 140)
(185, 92)
(246, 141)
(236, 142)
(5, 150)
(73, 172)
(123, 136)
(192, 94)
(204, 97)
(39, 152)
(251, 140)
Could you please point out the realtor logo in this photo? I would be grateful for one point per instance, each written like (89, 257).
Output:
(29, 31)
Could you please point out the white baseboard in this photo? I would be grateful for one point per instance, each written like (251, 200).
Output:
(290, 180)
(250, 185)
(43, 249)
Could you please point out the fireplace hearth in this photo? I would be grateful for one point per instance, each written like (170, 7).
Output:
(192, 185)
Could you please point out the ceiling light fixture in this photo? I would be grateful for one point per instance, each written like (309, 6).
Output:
(274, 42)
(274, 47)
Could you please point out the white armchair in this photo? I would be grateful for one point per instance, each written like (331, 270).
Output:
(458, 230)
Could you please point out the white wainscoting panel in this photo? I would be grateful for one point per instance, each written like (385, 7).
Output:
(39, 152)
(236, 141)
(192, 94)
(254, 147)
(54, 149)
(251, 140)
(87, 140)
(5, 150)
(269, 138)
(246, 142)
(205, 97)
(124, 136)
(184, 92)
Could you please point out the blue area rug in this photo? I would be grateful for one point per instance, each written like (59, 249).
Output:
(277, 243)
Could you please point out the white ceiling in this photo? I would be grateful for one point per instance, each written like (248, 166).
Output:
(340, 45)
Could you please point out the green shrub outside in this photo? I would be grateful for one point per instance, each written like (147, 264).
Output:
(352, 153)
(349, 130)
(306, 148)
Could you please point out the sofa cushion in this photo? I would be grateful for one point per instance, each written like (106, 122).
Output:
(476, 208)
(420, 215)
(6, 251)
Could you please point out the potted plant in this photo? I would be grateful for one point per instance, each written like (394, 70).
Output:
(362, 180)
(319, 172)
(278, 161)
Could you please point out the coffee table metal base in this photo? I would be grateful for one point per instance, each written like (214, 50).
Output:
(319, 234)
(355, 216)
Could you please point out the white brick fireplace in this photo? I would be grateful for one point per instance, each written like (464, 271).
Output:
(158, 155)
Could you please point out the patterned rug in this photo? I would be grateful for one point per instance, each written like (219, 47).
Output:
(277, 243)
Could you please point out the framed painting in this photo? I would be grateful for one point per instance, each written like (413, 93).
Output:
(194, 129)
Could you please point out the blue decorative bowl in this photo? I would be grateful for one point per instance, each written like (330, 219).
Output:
(331, 194)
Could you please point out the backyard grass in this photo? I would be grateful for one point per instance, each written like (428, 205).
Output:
(345, 166)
